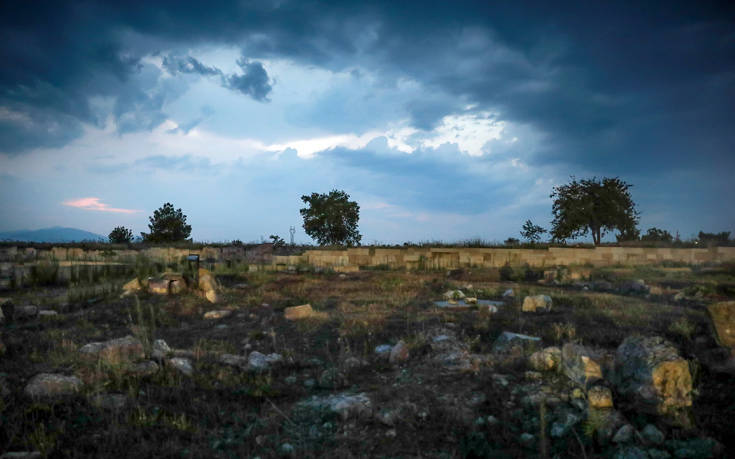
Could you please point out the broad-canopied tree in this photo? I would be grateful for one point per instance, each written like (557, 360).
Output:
(331, 218)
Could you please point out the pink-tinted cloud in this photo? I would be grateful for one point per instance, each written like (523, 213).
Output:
(95, 204)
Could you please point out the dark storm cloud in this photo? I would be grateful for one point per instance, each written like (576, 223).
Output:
(253, 82)
(613, 86)
(188, 64)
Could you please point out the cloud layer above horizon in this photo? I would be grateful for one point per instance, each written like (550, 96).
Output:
(445, 121)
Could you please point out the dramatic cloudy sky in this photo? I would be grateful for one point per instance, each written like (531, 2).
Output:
(444, 120)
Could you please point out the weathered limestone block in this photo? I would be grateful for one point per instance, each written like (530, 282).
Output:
(579, 364)
(650, 373)
(723, 319)
(536, 303)
(546, 359)
(515, 344)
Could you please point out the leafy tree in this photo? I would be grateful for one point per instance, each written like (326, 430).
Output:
(714, 237)
(167, 225)
(331, 218)
(511, 241)
(532, 232)
(657, 235)
(593, 206)
(278, 241)
(120, 235)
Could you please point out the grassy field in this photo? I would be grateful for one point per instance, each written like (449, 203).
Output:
(419, 407)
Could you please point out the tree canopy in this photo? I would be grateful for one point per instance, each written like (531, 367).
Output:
(593, 206)
(120, 235)
(167, 225)
(531, 232)
(657, 235)
(331, 219)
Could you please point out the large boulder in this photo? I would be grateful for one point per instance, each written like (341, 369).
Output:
(580, 364)
(651, 374)
(536, 303)
(158, 286)
(131, 287)
(723, 319)
(48, 385)
(115, 350)
(305, 311)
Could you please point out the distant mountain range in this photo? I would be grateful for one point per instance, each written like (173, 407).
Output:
(55, 234)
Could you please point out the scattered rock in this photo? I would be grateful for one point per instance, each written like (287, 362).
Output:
(454, 295)
(383, 350)
(509, 293)
(176, 286)
(579, 365)
(47, 313)
(695, 448)
(158, 286)
(527, 440)
(470, 300)
(160, 350)
(115, 350)
(399, 353)
(723, 318)
(305, 311)
(287, 449)
(233, 360)
(25, 312)
(680, 296)
(624, 434)
(258, 361)
(22, 455)
(131, 287)
(346, 406)
(651, 374)
(221, 314)
(658, 454)
(112, 402)
(147, 368)
(351, 363)
(182, 364)
(607, 423)
(515, 344)
(651, 435)
(561, 427)
(332, 378)
(48, 385)
(600, 397)
(208, 285)
(536, 303)
(630, 452)
(636, 286)
(546, 359)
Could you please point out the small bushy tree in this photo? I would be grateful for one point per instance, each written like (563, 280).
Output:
(331, 218)
(167, 225)
(277, 241)
(657, 235)
(532, 233)
(592, 206)
(714, 237)
(120, 235)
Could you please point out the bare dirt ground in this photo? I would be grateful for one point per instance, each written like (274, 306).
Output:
(262, 385)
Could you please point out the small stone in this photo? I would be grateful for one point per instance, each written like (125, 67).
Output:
(492, 420)
(22, 455)
(234, 360)
(147, 368)
(600, 397)
(112, 402)
(219, 314)
(515, 344)
(624, 434)
(561, 427)
(527, 440)
(533, 375)
(399, 353)
(182, 364)
(305, 311)
(126, 348)
(383, 350)
(454, 295)
(470, 300)
(651, 435)
(509, 293)
(309, 383)
(630, 452)
(48, 385)
(287, 449)
(160, 349)
(47, 313)
(351, 363)
(291, 380)
(25, 312)
(332, 378)
(658, 454)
